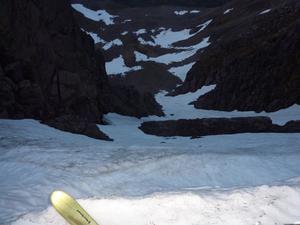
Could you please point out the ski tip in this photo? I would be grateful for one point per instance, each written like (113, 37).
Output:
(70, 209)
(56, 197)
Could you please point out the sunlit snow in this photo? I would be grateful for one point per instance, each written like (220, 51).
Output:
(252, 206)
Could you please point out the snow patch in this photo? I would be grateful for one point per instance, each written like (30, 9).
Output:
(181, 71)
(99, 15)
(116, 42)
(175, 57)
(140, 31)
(203, 25)
(181, 13)
(228, 11)
(95, 37)
(117, 66)
(265, 11)
(143, 42)
(127, 21)
(168, 37)
(184, 12)
(194, 11)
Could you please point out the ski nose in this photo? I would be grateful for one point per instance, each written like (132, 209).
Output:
(70, 209)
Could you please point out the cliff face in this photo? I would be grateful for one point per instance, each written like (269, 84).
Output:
(254, 58)
(50, 65)
(50, 70)
(149, 3)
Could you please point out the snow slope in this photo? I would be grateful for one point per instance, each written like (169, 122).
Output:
(139, 179)
(256, 206)
(148, 179)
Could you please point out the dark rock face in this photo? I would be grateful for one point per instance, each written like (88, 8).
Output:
(77, 125)
(254, 59)
(291, 127)
(126, 100)
(216, 126)
(147, 3)
(50, 70)
(152, 78)
(50, 65)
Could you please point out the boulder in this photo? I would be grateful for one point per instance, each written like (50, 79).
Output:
(216, 126)
(291, 127)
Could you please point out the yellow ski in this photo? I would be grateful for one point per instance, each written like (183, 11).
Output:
(70, 209)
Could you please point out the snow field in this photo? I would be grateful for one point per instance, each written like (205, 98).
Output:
(36, 159)
(253, 206)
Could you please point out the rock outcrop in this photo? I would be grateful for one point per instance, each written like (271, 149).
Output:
(217, 126)
(77, 125)
(50, 69)
(149, 3)
(152, 78)
(254, 58)
(126, 100)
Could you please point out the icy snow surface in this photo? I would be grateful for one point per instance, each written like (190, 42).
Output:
(243, 179)
(99, 15)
